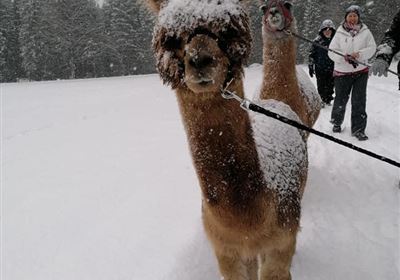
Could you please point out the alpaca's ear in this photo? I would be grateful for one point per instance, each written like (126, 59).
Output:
(155, 5)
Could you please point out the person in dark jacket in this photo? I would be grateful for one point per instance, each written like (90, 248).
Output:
(398, 72)
(320, 64)
(389, 46)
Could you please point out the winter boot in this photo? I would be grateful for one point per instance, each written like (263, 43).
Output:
(337, 128)
(360, 136)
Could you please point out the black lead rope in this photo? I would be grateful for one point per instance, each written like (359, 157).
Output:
(248, 105)
(330, 50)
(283, 119)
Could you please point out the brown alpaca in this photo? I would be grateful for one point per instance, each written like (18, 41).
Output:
(279, 60)
(251, 169)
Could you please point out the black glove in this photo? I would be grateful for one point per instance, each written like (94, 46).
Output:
(311, 70)
(350, 60)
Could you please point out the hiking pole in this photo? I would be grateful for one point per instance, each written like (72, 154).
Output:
(335, 52)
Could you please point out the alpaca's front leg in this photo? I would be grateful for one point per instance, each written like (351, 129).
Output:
(234, 268)
(252, 269)
(276, 262)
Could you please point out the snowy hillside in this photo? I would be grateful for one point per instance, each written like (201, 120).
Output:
(98, 184)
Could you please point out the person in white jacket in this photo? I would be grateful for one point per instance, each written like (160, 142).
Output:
(354, 40)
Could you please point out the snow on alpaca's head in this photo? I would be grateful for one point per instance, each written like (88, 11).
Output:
(178, 15)
(227, 20)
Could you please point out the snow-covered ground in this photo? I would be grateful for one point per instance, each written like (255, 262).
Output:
(97, 184)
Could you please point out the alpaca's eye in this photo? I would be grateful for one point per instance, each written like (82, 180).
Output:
(226, 38)
(229, 34)
(263, 8)
(172, 43)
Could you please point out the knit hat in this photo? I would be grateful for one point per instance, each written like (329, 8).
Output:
(353, 9)
(327, 24)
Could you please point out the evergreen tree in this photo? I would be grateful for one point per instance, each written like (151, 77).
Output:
(101, 49)
(122, 26)
(78, 36)
(35, 39)
(131, 30)
(374, 17)
(3, 69)
(4, 23)
(15, 60)
(309, 25)
(113, 59)
(10, 60)
(144, 23)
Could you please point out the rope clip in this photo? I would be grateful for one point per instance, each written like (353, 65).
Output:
(227, 94)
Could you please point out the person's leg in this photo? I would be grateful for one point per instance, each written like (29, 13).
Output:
(330, 85)
(323, 86)
(320, 85)
(398, 72)
(358, 104)
(343, 86)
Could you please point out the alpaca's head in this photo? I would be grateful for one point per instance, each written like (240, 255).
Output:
(200, 44)
(277, 18)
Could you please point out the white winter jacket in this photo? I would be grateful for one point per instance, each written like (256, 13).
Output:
(363, 42)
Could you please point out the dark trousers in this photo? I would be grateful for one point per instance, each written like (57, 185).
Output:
(325, 83)
(398, 72)
(356, 84)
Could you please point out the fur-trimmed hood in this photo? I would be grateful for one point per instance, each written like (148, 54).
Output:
(227, 20)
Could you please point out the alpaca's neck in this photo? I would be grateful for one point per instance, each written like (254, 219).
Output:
(223, 149)
(280, 80)
(279, 57)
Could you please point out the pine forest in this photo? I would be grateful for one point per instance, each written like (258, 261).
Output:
(71, 39)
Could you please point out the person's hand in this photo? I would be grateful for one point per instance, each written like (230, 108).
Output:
(350, 59)
(311, 70)
(379, 67)
(355, 55)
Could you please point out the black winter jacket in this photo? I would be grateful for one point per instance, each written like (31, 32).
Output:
(391, 39)
(319, 56)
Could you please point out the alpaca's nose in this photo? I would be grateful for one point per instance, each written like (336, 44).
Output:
(201, 61)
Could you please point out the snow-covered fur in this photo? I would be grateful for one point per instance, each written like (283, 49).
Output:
(251, 169)
(178, 20)
(282, 80)
(286, 90)
(363, 42)
(283, 157)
